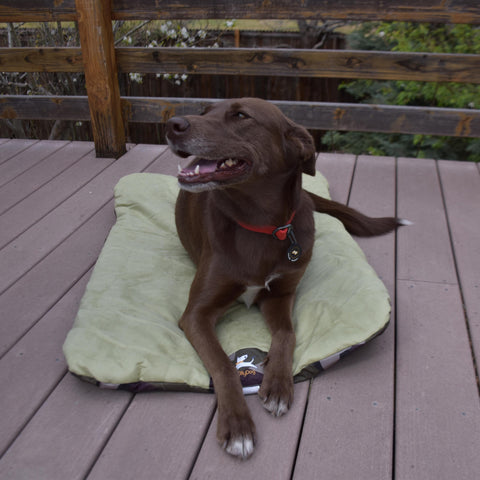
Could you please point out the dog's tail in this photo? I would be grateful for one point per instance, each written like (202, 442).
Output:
(355, 222)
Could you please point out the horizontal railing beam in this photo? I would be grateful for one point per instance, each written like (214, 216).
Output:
(432, 67)
(434, 11)
(437, 11)
(427, 67)
(312, 115)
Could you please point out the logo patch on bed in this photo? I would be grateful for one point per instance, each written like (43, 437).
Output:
(249, 365)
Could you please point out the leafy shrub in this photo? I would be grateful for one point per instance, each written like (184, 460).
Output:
(411, 37)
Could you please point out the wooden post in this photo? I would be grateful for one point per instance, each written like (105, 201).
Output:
(101, 78)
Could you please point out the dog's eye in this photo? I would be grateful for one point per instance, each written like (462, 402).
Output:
(241, 115)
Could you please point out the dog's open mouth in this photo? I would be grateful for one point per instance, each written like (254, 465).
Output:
(201, 170)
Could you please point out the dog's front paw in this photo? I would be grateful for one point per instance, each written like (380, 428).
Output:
(276, 394)
(236, 434)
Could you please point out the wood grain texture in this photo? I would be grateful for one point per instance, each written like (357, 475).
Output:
(431, 67)
(455, 11)
(96, 38)
(37, 10)
(47, 107)
(328, 116)
(48, 59)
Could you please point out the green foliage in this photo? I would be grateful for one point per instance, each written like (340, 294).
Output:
(411, 37)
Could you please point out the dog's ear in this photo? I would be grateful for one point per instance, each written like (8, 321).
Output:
(299, 144)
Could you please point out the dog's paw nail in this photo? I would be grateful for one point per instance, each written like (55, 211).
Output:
(404, 222)
(240, 447)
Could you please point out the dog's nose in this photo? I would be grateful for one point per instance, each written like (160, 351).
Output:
(177, 125)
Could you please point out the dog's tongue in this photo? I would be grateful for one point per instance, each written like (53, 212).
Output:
(201, 166)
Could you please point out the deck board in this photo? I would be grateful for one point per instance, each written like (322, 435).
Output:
(436, 393)
(11, 148)
(461, 189)
(359, 390)
(275, 449)
(160, 432)
(64, 437)
(404, 406)
(42, 173)
(437, 411)
(27, 158)
(424, 251)
(25, 213)
(35, 364)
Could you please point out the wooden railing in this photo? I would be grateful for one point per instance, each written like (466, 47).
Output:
(101, 62)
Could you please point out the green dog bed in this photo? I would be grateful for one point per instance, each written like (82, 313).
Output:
(126, 332)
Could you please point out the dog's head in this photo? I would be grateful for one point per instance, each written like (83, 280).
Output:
(236, 141)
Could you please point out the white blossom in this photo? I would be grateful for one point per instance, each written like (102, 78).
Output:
(136, 77)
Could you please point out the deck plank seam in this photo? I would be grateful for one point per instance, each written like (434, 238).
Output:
(33, 413)
(459, 278)
(300, 433)
(201, 442)
(350, 187)
(42, 159)
(80, 278)
(38, 187)
(84, 221)
(38, 220)
(49, 252)
(18, 153)
(102, 447)
(395, 309)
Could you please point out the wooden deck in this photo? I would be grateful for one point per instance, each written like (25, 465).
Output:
(406, 406)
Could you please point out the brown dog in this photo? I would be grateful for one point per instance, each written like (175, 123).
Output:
(248, 225)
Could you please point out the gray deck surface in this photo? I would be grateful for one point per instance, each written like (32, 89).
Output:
(405, 406)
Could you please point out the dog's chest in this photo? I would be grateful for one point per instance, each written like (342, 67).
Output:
(248, 297)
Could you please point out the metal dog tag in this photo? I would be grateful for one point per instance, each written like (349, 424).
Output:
(294, 250)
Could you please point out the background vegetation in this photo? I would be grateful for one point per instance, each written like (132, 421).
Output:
(410, 37)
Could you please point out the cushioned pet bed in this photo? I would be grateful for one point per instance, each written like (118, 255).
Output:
(126, 334)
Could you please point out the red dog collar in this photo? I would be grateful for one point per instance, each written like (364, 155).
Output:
(280, 233)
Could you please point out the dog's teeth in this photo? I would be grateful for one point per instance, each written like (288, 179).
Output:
(197, 170)
(230, 162)
(179, 168)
